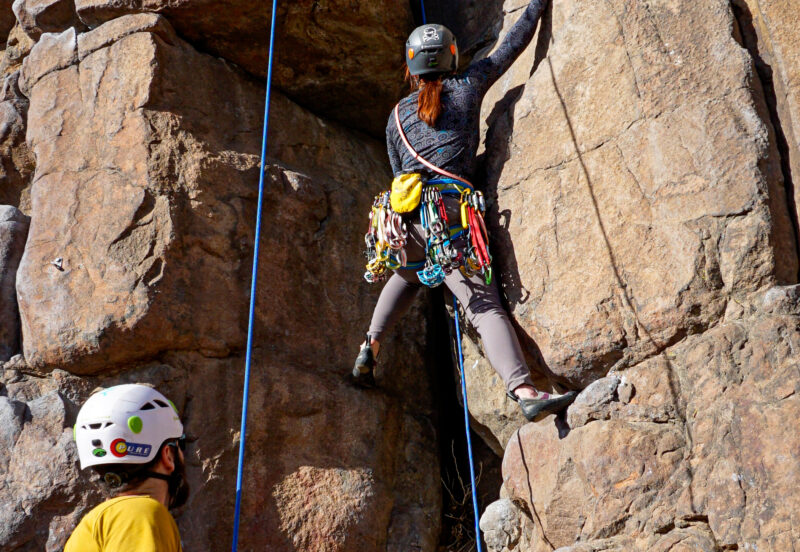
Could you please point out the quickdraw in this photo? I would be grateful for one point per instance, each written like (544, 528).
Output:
(442, 257)
(385, 240)
(387, 235)
(478, 259)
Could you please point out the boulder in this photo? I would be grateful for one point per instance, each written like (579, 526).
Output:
(40, 472)
(13, 233)
(160, 254)
(38, 16)
(502, 525)
(16, 160)
(351, 54)
(628, 229)
(692, 462)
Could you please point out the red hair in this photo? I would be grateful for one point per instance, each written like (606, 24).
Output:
(429, 102)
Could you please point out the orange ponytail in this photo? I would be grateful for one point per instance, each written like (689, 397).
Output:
(429, 102)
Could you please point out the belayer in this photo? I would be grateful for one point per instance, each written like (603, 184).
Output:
(429, 228)
(132, 437)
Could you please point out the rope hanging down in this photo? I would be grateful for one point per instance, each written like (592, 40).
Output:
(253, 285)
(478, 540)
(466, 425)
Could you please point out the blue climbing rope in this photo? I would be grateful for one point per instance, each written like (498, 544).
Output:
(464, 394)
(253, 285)
(466, 424)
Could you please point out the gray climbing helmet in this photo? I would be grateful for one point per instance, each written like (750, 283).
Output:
(431, 49)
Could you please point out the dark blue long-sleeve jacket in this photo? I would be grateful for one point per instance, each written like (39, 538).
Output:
(453, 143)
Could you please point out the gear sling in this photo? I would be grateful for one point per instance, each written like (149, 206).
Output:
(387, 233)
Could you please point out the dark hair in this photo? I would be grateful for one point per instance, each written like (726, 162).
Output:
(429, 102)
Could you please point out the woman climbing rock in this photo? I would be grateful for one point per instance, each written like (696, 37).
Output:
(429, 229)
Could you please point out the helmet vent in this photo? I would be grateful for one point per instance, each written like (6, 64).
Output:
(148, 406)
(95, 426)
(161, 403)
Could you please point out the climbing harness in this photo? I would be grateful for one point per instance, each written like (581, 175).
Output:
(253, 283)
(387, 234)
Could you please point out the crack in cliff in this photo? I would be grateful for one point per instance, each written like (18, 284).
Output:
(747, 36)
(621, 29)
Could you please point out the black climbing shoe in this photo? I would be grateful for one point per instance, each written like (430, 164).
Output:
(364, 369)
(536, 409)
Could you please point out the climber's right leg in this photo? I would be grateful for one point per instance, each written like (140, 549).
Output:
(395, 299)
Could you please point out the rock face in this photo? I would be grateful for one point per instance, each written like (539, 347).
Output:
(143, 207)
(768, 32)
(351, 53)
(640, 159)
(38, 464)
(17, 162)
(641, 165)
(13, 232)
(629, 230)
(689, 456)
(37, 16)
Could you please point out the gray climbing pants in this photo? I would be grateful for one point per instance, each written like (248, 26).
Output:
(481, 303)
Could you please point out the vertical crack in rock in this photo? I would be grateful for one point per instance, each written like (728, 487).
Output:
(749, 38)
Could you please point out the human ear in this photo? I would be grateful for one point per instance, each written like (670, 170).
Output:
(168, 458)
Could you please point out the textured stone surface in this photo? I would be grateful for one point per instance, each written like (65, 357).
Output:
(340, 59)
(16, 160)
(38, 481)
(13, 232)
(770, 32)
(18, 46)
(145, 188)
(638, 154)
(38, 16)
(618, 228)
(693, 456)
(628, 228)
(7, 17)
(501, 524)
(156, 251)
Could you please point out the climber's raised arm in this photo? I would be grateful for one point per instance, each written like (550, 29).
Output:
(486, 71)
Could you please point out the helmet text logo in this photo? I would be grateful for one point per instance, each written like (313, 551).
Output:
(120, 448)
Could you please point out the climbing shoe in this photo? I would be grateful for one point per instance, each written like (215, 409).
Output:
(536, 409)
(364, 369)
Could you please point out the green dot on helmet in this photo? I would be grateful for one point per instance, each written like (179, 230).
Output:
(135, 424)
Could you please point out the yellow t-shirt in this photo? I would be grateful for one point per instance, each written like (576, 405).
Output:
(126, 524)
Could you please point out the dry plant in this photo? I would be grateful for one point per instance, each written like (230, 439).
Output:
(459, 518)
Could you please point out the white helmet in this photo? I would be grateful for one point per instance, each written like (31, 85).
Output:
(126, 424)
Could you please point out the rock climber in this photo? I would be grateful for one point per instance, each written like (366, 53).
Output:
(439, 121)
(132, 437)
